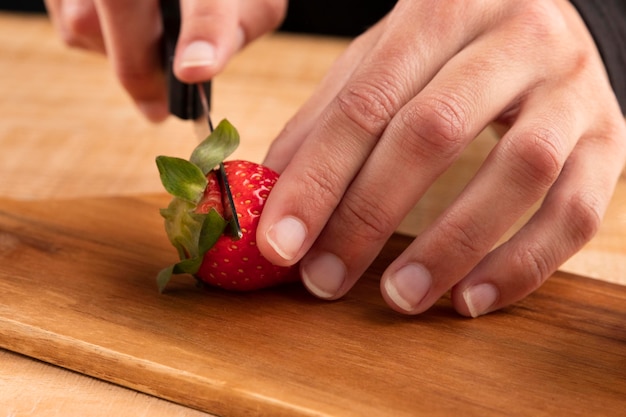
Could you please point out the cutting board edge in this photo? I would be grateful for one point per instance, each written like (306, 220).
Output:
(211, 396)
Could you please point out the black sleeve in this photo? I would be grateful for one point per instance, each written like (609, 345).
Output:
(36, 6)
(334, 17)
(606, 20)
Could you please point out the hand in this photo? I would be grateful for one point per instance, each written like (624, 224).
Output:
(406, 98)
(129, 32)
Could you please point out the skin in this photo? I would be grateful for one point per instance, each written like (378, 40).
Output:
(408, 96)
(129, 32)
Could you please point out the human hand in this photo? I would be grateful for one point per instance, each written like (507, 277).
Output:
(129, 32)
(405, 99)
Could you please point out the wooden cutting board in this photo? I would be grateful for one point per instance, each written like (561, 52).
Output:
(77, 289)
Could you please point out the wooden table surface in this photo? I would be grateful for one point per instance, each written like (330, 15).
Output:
(67, 130)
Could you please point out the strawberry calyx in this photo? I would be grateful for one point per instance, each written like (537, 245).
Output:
(193, 233)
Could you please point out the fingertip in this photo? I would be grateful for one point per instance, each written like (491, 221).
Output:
(155, 111)
(324, 275)
(478, 300)
(286, 238)
(406, 289)
(196, 62)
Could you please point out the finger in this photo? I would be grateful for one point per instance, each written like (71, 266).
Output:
(300, 125)
(568, 219)
(77, 23)
(329, 159)
(518, 172)
(212, 31)
(209, 35)
(420, 143)
(258, 17)
(132, 33)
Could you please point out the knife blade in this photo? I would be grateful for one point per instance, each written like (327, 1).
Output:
(192, 102)
(230, 211)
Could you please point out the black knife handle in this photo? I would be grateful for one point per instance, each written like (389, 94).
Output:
(183, 99)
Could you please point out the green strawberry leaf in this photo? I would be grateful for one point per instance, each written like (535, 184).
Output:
(183, 226)
(216, 147)
(181, 178)
(186, 266)
(212, 228)
(164, 276)
(192, 234)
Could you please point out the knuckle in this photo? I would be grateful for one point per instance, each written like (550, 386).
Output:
(436, 127)
(463, 237)
(367, 104)
(542, 21)
(584, 213)
(322, 184)
(535, 264)
(365, 219)
(535, 159)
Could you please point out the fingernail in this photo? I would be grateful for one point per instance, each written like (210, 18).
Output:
(480, 298)
(198, 54)
(408, 286)
(155, 111)
(286, 237)
(324, 275)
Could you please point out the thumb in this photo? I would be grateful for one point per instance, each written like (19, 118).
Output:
(209, 36)
(213, 31)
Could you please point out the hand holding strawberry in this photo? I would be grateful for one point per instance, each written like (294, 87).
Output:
(195, 223)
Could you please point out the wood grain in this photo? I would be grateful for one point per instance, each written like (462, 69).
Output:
(33, 388)
(77, 290)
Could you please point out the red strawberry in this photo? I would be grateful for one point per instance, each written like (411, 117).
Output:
(238, 264)
(195, 224)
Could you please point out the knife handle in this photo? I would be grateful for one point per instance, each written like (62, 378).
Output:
(183, 99)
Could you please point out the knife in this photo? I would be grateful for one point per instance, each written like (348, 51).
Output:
(192, 102)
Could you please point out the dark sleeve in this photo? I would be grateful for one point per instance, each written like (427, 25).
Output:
(606, 20)
(334, 17)
(36, 6)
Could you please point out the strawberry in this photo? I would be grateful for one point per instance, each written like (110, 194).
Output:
(195, 223)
